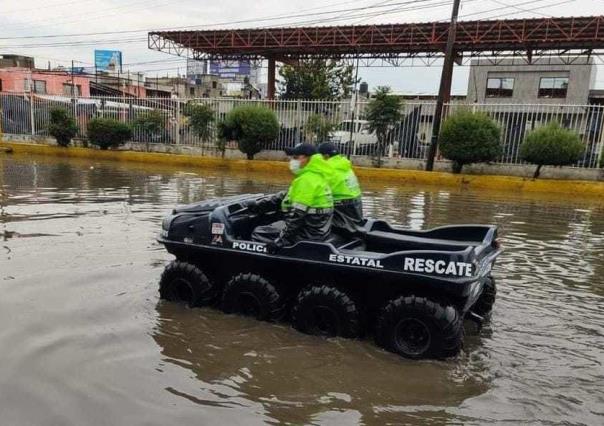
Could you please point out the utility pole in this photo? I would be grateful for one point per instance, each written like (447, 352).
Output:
(444, 93)
(72, 82)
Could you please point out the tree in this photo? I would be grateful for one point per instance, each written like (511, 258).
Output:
(551, 145)
(318, 127)
(253, 127)
(108, 132)
(468, 137)
(383, 113)
(201, 118)
(316, 79)
(62, 126)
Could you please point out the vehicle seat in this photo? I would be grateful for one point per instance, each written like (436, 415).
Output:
(393, 241)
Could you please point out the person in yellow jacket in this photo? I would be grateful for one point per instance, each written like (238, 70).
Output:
(307, 206)
(347, 195)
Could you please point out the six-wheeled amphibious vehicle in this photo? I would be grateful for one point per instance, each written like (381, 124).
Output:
(410, 289)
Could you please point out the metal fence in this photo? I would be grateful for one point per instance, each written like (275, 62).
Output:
(26, 114)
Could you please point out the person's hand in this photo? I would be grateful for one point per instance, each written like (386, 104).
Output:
(274, 246)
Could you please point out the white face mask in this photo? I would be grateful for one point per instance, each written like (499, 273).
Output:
(294, 166)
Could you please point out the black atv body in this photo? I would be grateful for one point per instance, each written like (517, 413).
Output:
(411, 289)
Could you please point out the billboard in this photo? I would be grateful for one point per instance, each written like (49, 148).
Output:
(196, 67)
(231, 70)
(108, 60)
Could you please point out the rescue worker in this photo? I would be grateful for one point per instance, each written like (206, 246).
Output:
(347, 196)
(307, 206)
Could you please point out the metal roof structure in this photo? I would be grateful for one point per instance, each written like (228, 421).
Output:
(583, 35)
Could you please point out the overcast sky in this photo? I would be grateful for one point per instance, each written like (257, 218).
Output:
(61, 19)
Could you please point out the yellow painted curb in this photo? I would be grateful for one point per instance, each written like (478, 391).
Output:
(508, 183)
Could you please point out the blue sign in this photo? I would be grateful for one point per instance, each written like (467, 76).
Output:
(108, 60)
(234, 70)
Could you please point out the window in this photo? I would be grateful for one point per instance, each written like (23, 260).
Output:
(192, 91)
(40, 87)
(214, 84)
(553, 87)
(500, 87)
(67, 90)
(0, 85)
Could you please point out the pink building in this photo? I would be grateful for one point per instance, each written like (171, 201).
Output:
(19, 80)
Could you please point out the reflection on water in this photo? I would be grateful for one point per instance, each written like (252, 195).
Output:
(86, 340)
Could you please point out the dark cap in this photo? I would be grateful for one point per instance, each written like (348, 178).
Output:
(328, 148)
(302, 149)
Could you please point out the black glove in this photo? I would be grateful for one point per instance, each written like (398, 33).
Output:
(260, 206)
(274, 246)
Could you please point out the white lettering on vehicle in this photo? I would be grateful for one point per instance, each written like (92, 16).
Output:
(355, 260)
(253, 247)
(440, 267)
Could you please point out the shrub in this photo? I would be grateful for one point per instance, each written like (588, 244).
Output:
(62, 126)
(551, 145)
(468, 137)
(201, 118)
(253, 127)
(107, 132)
(318, 128)
(150, 122)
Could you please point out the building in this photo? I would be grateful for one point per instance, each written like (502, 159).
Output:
(118, 84)
(203, 86)
(546, 81)
(524, 97)
(40, 82)
(16, 61)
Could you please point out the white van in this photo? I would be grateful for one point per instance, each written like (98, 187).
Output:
(360, 139)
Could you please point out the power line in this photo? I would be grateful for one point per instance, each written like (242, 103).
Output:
(363, 15)
(515, 6)
(531, 10)
(270, 18)
(48, 6)
(53, 21)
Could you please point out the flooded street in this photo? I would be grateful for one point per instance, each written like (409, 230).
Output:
(86, 341)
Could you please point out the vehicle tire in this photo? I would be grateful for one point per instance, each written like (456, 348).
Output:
(416, 327)
(484, 304)
(326, 311)
(251, 295)
(185, 283)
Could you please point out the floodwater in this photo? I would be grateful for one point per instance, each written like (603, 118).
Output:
(84, 339)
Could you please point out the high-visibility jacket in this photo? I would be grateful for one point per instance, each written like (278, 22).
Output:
(348, 206)
(307, 205)
(343, 181)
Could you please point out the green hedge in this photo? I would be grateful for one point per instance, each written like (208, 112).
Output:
(108, 133)
(62, 126)
(551, 145)
(253, 127)
(468, 137)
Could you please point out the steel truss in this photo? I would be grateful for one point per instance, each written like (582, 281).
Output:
(395, 44)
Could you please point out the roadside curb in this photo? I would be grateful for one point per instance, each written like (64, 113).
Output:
(403, 176)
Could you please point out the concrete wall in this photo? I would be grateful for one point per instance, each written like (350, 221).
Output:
(581, 75)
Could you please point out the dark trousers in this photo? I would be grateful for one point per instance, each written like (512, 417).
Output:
(268, 233)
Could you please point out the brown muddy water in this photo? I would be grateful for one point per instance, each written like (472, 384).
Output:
(84, 339)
